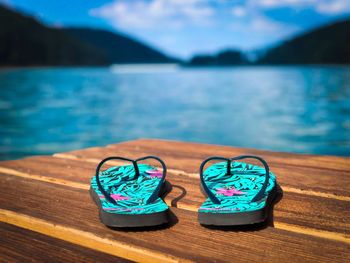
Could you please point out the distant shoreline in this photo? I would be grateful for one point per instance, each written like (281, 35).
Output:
(6, 68)
(179, 66)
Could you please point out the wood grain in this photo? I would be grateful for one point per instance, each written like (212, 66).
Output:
(45, 199)
(22, 245)
(300, 190)
(314, 173)
(297, 209)
(72, 208)
(83, 238)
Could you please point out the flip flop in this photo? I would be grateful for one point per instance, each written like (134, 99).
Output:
(238, 193)
(130, 195)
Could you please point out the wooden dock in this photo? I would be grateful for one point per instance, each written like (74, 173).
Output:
(47, 215)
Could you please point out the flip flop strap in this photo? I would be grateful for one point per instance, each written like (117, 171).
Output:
(153, 196)
(212, 197)
(156, 192)
(97, 175)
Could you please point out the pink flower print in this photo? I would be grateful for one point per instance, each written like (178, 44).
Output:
(118, 197)
(122, 209)
(154, 173)
(110, 208)
(229, 192)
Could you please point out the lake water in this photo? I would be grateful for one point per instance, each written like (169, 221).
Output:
(293, 109)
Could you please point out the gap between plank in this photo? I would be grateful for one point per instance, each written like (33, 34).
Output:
(279, 225)
(195, 175)
(85, 239)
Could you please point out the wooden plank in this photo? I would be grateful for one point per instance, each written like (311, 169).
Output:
(296, 209)
(313, 175)
(48, 204)
(22, 245)
(54, 211)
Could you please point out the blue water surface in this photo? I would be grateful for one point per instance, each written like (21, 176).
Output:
(293, 109)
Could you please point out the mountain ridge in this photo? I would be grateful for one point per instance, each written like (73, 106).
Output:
(328, 44)
(119, 48)
(24, 41)
(227, 57)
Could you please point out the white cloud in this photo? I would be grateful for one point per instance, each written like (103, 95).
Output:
(334, 7)
(331, 7)
(251, 18)
(239, 11)
(153, 14)
(280, 3)
(263, 25)
(145, 14)
(189, 25)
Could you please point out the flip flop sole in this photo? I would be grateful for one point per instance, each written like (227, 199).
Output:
(133, 198)
(239, 218)
(139, 220)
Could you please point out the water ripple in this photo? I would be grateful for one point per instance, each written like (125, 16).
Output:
(295, 109)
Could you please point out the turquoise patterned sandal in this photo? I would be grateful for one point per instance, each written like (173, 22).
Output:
(238, 193)
(130, 195)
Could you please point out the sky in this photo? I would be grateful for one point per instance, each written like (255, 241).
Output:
(186, 27)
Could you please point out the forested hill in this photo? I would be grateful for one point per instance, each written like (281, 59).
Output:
(326, 45)
(26, 42)
(117, 47)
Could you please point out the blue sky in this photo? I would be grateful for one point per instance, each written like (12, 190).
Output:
(185, 27)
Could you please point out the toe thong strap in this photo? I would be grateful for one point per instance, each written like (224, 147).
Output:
(100, 187)
(155, 193)
(212, 197)
(261, 193)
